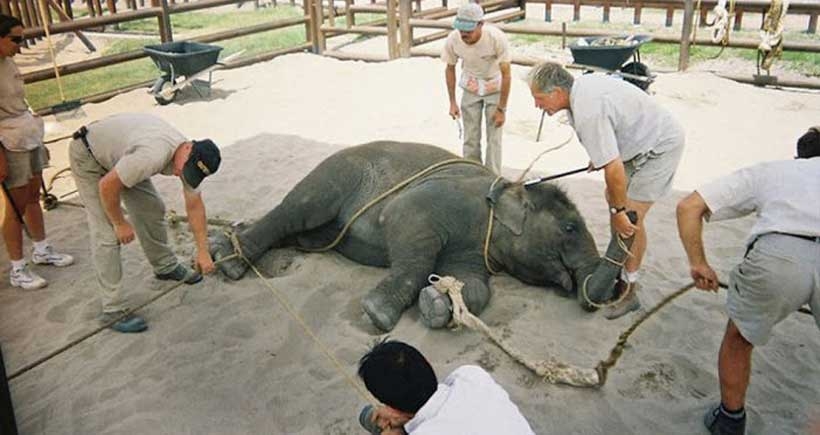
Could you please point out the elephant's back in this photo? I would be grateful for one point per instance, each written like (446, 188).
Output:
(391, 161)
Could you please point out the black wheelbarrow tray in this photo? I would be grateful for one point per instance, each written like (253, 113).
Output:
(608, 54)
(190, 60)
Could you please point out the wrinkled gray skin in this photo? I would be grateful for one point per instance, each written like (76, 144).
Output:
(437, 224)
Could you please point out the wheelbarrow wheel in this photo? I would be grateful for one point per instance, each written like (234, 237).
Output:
(165, 84)
(638, 69)
(50, 201)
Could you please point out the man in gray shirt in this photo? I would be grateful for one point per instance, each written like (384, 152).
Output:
(114, 159)
(634, 140)
(779, 272)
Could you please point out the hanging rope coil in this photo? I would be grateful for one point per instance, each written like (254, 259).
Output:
(771, 36)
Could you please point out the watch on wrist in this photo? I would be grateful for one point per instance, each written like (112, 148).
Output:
(500, 109)
(615, 210)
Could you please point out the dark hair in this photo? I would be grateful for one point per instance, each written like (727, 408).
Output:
(808, 145)
(7, 23)
(398, 375)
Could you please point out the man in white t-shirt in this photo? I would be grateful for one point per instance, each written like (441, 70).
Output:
(468, 401)
(632, 138)
(779, 272)
(485, 81)
(113, 160)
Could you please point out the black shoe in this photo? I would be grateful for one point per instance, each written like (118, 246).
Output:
(719, 423)
(127, 323)
(181, 273)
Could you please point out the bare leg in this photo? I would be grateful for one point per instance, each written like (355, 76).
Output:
(12, 229)
(734, 367)
(33, 214)
(638, 249)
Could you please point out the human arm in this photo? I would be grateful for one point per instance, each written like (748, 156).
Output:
(690, 212)
(195, 208)
(111, 187)
(616, 182)
(450, 79)
(500, 115)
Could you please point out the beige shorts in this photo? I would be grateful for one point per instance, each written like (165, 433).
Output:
(649, 175)
(24, 165)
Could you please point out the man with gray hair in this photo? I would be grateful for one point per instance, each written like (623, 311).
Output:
(634, 140)
(485, 81)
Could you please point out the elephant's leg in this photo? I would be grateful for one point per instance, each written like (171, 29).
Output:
(315, 201)
(436, 307)
(413, 247)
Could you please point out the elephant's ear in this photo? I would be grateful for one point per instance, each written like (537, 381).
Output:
(508, 203)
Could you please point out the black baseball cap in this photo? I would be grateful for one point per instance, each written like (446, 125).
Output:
(203, 161)
(808, 146)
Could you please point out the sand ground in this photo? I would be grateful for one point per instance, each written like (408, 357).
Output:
(226, 358)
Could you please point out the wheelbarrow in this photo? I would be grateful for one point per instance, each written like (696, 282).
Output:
(176, 60)
(609, 53)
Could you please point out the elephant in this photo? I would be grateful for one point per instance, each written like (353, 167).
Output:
(435, 224)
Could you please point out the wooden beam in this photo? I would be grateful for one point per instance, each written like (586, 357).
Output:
(686, 33)
(392, 30)
(405, 31)
(64, 17)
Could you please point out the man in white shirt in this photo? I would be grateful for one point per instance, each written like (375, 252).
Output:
(633, 139)
(469, 401)
(485, 81)
(779, 271)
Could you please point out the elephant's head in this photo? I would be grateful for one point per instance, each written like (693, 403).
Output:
(544, 240)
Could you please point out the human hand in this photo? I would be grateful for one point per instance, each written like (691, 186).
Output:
(704, 276)
(124, 232)
(390, 420)
(204, 262)
(498, 118)
(455, 113)
(620, 223)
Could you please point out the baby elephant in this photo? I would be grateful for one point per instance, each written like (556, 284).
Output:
(436, 224)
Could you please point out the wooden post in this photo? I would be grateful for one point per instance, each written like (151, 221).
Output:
(7, 423)
(686, 33)
(812, 29)
(392, 34)
(331, 13)
(15, 8)
(605, 16)
(165, 32)
(4, 7)
(405, 31)
(738, 19)
(67, 8)
(112, 6)
(548, 11)
(98, 8)
(64, 17)
(704, 14)
(319, 43)
(576, 10)
(349, 14)
(563, 35)
(637, 19)
(418, 6)
(670, 16)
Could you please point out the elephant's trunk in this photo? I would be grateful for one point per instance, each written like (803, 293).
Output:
(596, 280)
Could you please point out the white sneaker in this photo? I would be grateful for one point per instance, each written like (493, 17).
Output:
(26, 279)
(49, 256)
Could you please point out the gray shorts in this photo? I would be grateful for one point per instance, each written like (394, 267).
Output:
(24, 165)
(778, 275)
(649, 175)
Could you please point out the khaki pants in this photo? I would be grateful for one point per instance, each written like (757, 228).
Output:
(146, 212)
(472, 107)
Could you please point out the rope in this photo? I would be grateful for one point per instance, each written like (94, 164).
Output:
(551, 370)
(771, 36)
(305, 328)
(389, 192)
(623, 295)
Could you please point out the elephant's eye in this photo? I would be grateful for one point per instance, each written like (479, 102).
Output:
(569, 228)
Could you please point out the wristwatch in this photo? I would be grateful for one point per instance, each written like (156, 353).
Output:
(500, 109)
(615, 210)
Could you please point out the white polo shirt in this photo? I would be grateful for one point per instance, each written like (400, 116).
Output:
(469, 402)
(785, 196)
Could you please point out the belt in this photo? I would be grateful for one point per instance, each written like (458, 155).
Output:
(82, 134)
(813, 239)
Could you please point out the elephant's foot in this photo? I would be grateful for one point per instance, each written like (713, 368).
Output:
(435, 307)
(221, 250)
(383, 310)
